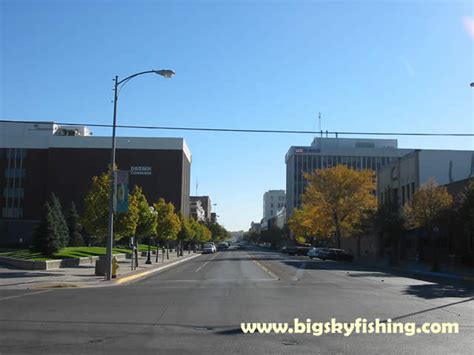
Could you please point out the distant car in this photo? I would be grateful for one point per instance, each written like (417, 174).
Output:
(209, 248)
(222, 246)
(335, 254)
(300, 249)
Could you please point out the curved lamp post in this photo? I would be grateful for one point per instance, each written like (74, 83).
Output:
(110, 230)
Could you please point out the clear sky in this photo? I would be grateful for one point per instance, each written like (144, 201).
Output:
(365, 65)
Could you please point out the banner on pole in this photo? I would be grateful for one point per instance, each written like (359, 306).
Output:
(122, 191)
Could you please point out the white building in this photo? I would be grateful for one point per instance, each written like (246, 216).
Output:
(273, 201)
(405, 175)
(328, 152)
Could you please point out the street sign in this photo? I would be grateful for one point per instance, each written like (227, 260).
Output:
(122, 191)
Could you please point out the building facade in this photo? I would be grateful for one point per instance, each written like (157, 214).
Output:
(328, 152)
(403, 176)
(273, 201)
(38, 159)
(205, 203)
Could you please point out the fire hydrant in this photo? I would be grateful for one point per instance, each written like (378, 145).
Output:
(115, 267)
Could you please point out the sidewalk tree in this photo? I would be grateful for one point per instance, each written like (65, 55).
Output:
(61, 221)
(168, 224)
(336, 201)
(390, 220)
(95, 215)
(425, 209)
(46, 238)
(75, 237)
(466, 209)
(146, 224)
(218, 232)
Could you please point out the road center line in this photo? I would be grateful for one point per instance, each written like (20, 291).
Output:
(299, 272)
(274, 277)
(24, 294)
(200, 267)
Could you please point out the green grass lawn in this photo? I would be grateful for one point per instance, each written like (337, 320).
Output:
(66, 253)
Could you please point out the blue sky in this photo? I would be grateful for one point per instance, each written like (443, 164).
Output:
(365, 65)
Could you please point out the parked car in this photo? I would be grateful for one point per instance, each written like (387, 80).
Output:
(335, 254)
(299, 249)
(317, 252)
(209, 248)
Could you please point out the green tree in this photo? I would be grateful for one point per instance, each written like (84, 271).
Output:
(75, 237)
(335, 202)
(96, 211)
(146, 224)
(425, 209)
(46, 238)
(60, 220)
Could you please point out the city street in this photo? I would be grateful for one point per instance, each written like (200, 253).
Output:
(197, 307)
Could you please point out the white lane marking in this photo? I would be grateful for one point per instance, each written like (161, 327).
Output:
(274, 277)
(299, 272)
(200, 267)
(24, 294)
(213, 280)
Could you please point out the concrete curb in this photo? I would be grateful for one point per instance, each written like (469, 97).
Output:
(129, 278)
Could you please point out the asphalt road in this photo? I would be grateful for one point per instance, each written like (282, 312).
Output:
(197, 307)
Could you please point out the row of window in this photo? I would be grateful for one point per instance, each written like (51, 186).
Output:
(12, 212)
(10, 192)
(15, 173)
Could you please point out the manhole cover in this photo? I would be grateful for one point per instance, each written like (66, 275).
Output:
(289, 342)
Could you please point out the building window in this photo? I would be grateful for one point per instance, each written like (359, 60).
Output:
(9, 212)
(14, 173)
(9, 192)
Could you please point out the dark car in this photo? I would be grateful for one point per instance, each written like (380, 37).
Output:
(299, 249)
(336, 254)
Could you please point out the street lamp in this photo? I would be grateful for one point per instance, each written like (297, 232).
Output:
(110, 230)
(472, 85)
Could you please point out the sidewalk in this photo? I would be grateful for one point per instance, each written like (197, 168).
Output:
(421, 269)
(84, 276)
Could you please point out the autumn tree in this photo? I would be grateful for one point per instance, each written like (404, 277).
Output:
(425, 209)
(96, 211)
(335, 202)
(146, 224)
(168, 223)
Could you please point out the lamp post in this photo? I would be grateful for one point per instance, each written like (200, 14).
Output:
(110, 228)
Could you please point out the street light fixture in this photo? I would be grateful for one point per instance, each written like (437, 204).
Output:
(472, 85)
(166, 73)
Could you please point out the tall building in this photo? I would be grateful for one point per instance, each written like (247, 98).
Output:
(328, 152)
(205, 203)
(38, 159)
(273, 201)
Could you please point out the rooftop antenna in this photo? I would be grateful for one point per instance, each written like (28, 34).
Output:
(320, 130)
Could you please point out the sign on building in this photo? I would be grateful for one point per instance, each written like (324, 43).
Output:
(140, 170)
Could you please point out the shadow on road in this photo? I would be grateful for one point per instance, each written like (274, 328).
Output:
(431, 291)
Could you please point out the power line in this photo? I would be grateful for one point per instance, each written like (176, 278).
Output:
(237, 130)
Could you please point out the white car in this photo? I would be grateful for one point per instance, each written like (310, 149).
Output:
(316, 252)
(209, 248)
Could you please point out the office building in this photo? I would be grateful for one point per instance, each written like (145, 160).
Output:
(328, 152)
(205, 203)
(38, 159)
